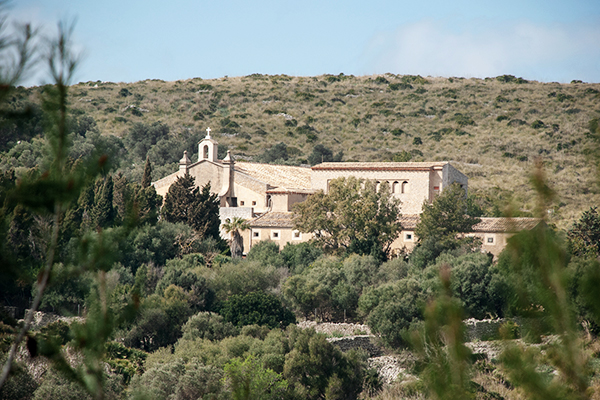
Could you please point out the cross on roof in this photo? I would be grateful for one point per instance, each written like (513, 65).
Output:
(208, 132)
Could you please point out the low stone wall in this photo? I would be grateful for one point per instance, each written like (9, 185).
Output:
(336, 329)
(41, 319)
(483, 329)
(357, 342)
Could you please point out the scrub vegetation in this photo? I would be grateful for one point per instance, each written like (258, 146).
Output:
(492, 129)
(160, 310)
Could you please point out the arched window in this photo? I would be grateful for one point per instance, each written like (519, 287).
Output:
(377, 186)
(396, 187)
(205, 153)
(404, 186)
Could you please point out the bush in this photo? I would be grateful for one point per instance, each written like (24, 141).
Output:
(316, 369)
(256, 308)
(179, 380)
(321, 154)
(299, 256)
(400, 86)
(392, 308)
(537, 124)
(208, 325)
(266, 252)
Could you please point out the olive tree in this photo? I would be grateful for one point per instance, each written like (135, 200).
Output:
(355, 216)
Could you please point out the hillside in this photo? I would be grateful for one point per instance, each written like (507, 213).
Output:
(492, 129)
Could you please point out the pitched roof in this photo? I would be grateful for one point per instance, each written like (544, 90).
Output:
(505, 224)
(277, 176)
(273, 219)
(380, 166)
(487, 224)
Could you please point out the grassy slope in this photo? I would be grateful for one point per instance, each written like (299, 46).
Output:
(360, 115)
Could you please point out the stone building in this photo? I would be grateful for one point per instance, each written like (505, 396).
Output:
(264, 193)
(493, 232)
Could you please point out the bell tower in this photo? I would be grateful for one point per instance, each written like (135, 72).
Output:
(208, 148)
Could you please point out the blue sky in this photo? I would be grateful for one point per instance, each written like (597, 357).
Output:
(127, 41)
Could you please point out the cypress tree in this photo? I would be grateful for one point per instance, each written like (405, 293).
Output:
(197, 208)
(147, 177)
(103, 212)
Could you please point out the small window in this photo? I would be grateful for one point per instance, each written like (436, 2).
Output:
(404, 187)
(408, 237)
(275, 235)
(241, 203)
(253, 203)
(490, 240)
(256, 234)
(296, 235)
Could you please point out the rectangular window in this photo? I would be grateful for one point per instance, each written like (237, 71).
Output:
(296, 235)
(253, 203)
(275, 235)
(489, 240)
(242, 203)
(408, 237)
(256, 234)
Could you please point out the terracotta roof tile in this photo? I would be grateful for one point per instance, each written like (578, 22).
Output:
(487, 224)
(396, 166)
(505, 224)
(277, 176)
(273, 219)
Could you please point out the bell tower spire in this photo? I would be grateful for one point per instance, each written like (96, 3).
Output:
(208, 148)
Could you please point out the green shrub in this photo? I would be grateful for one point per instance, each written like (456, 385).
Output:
(417, 141)
(463, 120)
(516, 122)
(400, 86)
(208, 325)
(416, 79)
(390, 309)
(561, 97)
(537, 124)
(501, 118)
(299, 256)
(256, 308)
(316, 369)
(381, 80)
(179, 380)
(397, 132)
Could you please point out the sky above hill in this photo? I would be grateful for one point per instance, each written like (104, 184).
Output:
(127, 41)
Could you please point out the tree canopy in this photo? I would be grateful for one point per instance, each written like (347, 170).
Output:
(584, 235)
(355, 216)
(450, 214)
(198, 208)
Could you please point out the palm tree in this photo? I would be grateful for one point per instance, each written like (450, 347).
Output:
(234, 227)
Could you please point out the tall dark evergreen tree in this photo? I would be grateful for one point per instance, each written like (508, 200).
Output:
(147, 177)
(103, 212)
(148, 203)
(197, 208)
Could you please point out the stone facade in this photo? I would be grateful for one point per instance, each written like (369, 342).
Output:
(265, 194)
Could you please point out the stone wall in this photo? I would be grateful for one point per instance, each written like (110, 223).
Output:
(364, 342)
